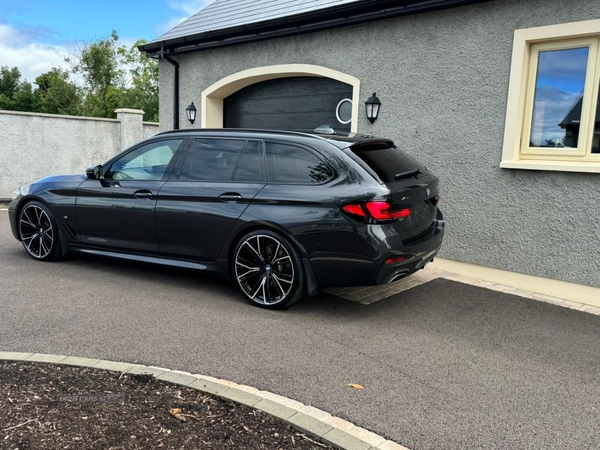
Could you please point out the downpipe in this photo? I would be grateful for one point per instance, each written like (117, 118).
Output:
(175, 87)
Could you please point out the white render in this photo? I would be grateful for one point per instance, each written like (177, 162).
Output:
(33, 146)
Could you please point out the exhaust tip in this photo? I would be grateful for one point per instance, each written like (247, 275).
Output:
(398, 276)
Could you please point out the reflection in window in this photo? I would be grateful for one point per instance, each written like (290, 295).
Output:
(558, 98)
(250, 165)
(211, 159)
(148, 162)
(295, 165)
(596, 137)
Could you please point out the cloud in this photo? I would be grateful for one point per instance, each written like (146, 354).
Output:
(162, 28)
(551, 107)
(18, 48)
(190, 7)
(185, 9)
(566, 66)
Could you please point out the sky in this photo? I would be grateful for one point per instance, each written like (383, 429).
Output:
(559, 86)
(36, 35)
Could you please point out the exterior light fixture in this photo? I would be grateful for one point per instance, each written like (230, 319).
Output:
(372, 107)
(191, 113)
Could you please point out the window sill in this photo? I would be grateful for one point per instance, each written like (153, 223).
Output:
(557, 166)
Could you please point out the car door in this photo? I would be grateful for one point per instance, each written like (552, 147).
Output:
(213, 184)
(117, 211)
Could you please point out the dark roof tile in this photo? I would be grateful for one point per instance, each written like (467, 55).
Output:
(223, 14)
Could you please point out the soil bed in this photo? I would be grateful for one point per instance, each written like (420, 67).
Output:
(47, 406)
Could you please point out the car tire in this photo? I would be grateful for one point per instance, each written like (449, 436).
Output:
(38, 232)
(268, 270)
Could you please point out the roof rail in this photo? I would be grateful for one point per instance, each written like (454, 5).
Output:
(243, 130)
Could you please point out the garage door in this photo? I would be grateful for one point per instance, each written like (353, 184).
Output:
(294, 104)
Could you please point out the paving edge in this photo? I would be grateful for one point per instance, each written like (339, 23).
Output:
(307, 419)
(367, 294)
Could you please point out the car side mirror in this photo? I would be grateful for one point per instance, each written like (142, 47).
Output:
(95, 172)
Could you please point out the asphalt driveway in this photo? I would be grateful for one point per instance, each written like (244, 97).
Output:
(444, 365)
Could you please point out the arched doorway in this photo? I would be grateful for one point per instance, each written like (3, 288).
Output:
(214, 114)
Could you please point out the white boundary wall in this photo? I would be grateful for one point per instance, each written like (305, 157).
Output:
(34, 145)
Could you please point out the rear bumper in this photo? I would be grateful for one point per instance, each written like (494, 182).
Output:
(373, 246)
(396, 271)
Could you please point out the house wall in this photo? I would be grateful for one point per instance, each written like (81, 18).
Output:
(443, 80)
(33, 146)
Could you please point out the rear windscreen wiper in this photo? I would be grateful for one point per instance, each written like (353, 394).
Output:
(409, 174)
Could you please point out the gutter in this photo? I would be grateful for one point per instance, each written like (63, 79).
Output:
(323, 19)
(175, 87)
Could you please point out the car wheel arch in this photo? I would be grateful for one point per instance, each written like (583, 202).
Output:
(309, 279)
(253, 226)
(57, 250)
(33, 198)
(28, 199)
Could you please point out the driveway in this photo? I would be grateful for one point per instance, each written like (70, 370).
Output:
(444, 365)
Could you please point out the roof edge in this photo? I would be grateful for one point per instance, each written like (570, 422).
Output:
(318, 20)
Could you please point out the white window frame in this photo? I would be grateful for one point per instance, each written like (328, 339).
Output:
(527, 44)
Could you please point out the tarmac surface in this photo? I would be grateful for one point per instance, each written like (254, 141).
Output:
(444, 365)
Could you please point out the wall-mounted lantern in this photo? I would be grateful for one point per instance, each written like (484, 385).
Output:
(190, 111)
(372, 108)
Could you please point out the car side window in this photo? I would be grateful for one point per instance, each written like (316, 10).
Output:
(148, 162)
(291, 164)
(250, 166)
(213, 159)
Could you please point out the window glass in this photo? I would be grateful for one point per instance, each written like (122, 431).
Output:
(250, 164)
(295, 165)
(596, 137)
(558, 98)
(387, 161)
(211, 159)
(344, 111)
(148, 162)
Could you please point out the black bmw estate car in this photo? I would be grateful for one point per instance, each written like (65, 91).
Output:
(282, 214)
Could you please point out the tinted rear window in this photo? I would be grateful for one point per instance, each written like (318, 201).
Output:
(291, 164)
(386, 161)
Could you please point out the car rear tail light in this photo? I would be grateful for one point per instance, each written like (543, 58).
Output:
(384, 211)
(435, 200)
(380, 211)
(355, 209)
(395, 259)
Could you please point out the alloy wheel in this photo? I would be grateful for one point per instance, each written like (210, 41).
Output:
(37, 233)
(264, 269)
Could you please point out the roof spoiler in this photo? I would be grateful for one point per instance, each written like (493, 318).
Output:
(372, 144)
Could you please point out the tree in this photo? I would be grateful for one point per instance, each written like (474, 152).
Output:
(98, 65)
(115, 76)
(142, 81)
(15, 94)
(10, 79)
(55, 94)
(111, 76)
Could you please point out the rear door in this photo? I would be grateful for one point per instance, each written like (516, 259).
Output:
(410, 184)
(212, 186)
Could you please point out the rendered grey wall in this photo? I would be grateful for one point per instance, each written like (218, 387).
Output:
(443, 80)
(34, 146)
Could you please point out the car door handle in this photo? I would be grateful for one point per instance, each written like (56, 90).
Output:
(230, 197)
(142, 194)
